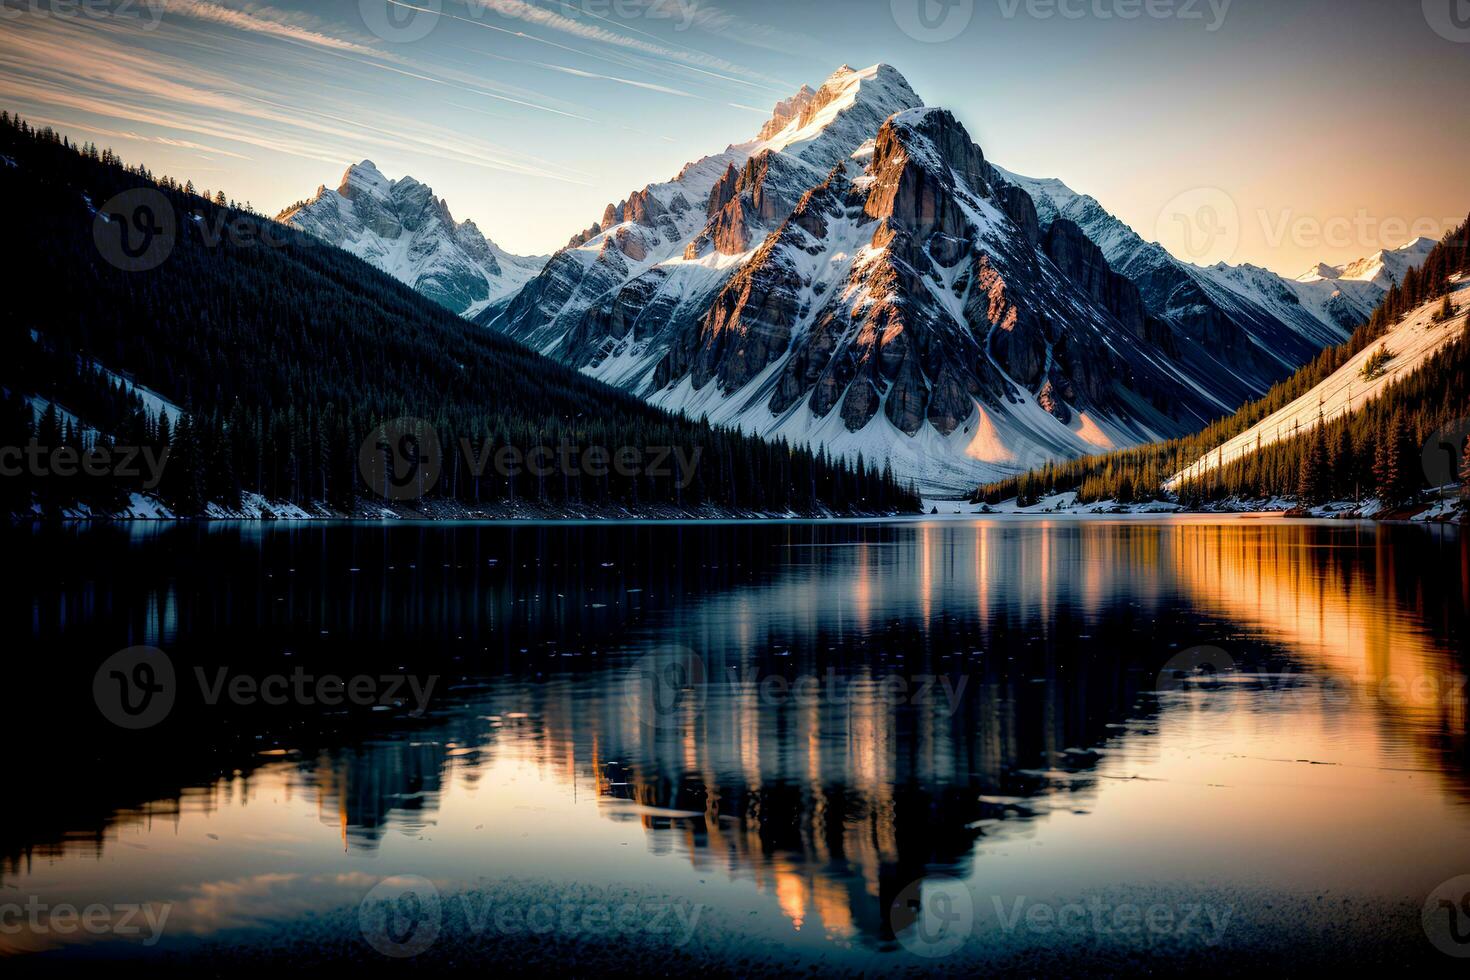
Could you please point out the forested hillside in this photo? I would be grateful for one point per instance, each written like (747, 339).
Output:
(285, 355)
(1371, 451)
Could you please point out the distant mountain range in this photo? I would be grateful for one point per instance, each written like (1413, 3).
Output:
(859, 277)
(1383, 269)
(403, 229)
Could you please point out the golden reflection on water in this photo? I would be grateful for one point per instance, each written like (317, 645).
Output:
(1363, 623)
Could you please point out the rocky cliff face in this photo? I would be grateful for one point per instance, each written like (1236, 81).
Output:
(402, 228)
(1080, 260)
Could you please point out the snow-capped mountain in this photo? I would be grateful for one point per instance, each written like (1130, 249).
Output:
(615, 297)
(904, 311)
(1384, 269)
(403, 229)
(860, 278)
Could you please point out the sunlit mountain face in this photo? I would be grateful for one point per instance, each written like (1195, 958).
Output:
(783, 728)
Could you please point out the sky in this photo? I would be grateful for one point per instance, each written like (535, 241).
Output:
(1277, 132)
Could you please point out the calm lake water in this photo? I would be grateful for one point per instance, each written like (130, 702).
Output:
(859, 746)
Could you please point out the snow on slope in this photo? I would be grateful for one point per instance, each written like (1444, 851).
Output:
(154, 403)
(400, 227)
(64, 416)
(1410, 344)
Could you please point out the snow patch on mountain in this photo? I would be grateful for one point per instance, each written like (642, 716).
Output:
(153, 403)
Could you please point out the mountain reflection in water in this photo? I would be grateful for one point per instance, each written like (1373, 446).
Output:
(866, 705)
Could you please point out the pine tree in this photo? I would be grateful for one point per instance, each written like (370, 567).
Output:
(1312, 479)
(1390, 470)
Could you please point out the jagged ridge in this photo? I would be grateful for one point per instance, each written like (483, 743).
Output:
(403, 229)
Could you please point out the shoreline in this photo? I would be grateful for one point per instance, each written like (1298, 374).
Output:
(147, 510)
(1443, 510)
(1017, 517)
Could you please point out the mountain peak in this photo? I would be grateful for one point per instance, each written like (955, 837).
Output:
(404, 229)
(1319, 272)
(364, 176)
(825, 127)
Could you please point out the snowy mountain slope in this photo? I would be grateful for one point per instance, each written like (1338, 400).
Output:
(152, 402)
(403, 229)
(1409, 344)
(1341, 296)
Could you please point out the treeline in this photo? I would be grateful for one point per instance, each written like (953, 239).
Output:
(1352, 456)
(284, 355)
